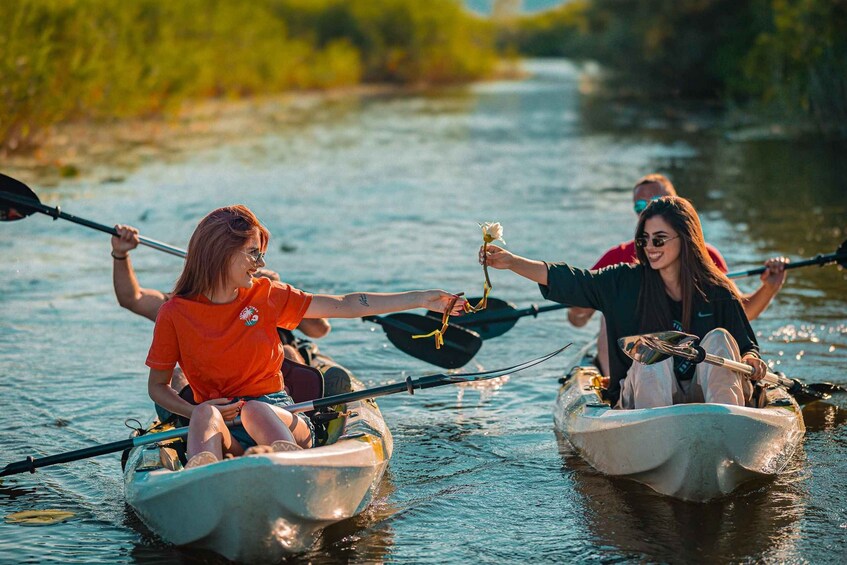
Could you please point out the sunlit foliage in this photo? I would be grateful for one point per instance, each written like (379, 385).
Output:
(66, 59)
(788, 57)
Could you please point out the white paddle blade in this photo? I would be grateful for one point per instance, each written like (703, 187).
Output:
(656, 347)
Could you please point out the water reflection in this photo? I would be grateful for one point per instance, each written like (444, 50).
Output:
(366, 538)
(823, 416)
(631, 521)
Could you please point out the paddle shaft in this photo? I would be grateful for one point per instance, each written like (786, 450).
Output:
(56, 213)
(743, 368)
(409, 385)
(482, 318)
(30, 464)
(821, 260)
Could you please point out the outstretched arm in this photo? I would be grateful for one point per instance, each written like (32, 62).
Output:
(498, 258)
(772, 280)
(142, 301)
(359, 304)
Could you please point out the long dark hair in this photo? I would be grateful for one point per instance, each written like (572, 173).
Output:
(218, 236)
(697, 270)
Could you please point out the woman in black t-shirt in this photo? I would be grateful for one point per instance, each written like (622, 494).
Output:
(675, 286)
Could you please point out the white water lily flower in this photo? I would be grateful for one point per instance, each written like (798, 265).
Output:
(492, 231)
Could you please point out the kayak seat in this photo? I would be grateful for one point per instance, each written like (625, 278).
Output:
(304, 383)
(337, 380)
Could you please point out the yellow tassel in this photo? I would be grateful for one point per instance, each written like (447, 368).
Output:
(438, 334)
(445, 321)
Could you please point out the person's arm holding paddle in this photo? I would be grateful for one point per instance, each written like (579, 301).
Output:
(131, 295)
(772, 280)
(147, 301)
(315, 327)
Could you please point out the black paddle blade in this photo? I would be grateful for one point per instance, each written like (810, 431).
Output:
(460, 345)
(9, 210)
(477, 321)
(841, 252)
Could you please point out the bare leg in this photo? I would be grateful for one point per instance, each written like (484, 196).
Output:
(266, 424)
(207, 431)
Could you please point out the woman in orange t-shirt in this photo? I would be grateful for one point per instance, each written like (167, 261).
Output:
(220, 326)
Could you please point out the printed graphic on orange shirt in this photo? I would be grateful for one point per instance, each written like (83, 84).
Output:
(250, 315)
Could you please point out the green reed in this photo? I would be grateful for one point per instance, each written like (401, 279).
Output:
(69, 59)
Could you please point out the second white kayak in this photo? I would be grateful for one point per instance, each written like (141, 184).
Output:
(688, 451)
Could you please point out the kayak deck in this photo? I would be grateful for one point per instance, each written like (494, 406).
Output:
(692, 452)
(262, 506)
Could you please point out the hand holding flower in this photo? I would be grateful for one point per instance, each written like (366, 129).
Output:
(491, 232)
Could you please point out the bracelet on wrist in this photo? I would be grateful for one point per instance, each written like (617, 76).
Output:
(119, 257)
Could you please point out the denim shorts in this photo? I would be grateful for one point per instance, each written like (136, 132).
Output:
(281, 399)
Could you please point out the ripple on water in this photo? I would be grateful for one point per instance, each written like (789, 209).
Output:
(384, 194)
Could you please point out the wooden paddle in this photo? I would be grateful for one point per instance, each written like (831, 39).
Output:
(409, 385)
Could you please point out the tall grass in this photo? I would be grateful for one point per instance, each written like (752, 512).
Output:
(68, 59)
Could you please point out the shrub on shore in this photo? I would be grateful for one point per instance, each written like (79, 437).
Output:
(780, 58)
(67, 59)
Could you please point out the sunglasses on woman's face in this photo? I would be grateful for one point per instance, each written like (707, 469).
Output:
(640, 205)
(656, 241)
(257, 256)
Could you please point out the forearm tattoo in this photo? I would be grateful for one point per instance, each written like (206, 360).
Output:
(363, 300)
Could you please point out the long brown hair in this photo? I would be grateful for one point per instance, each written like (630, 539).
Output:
(697, 270)
(218, 236)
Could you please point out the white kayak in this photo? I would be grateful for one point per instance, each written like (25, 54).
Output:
(692, 452)
(262, 507)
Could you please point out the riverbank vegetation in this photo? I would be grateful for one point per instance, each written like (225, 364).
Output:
(63, 60)
(781, 59)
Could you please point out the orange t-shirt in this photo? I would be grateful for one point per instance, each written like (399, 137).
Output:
(228, 350)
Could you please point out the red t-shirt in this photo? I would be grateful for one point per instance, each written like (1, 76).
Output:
(625, 253)
(228, 350)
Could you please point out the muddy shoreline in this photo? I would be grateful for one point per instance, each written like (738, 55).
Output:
(102, 149)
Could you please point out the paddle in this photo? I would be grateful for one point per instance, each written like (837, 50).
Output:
(460, 344)
(653, 348)
(17, 202)
(839, 257)
(498, 318)
(409, 385)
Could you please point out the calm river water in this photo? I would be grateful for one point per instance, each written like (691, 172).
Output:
(383, 193)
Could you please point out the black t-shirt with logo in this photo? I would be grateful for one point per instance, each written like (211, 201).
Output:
(614, 292)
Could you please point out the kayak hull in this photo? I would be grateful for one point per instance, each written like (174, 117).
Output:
(264, 506)
(694, 452)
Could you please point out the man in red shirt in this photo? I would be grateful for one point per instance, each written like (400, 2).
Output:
(652, 187)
